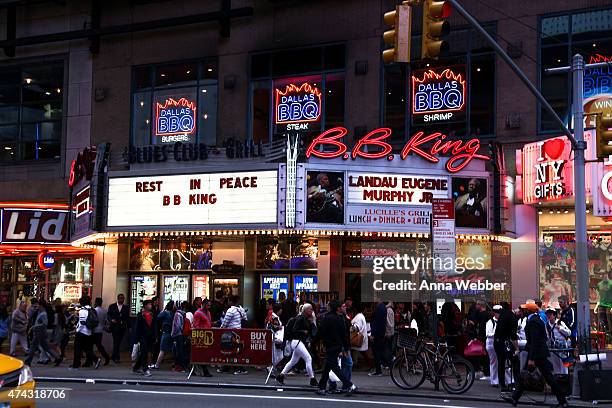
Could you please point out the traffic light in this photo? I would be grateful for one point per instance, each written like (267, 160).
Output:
(434, 27)
(398, 37)
(604, 135)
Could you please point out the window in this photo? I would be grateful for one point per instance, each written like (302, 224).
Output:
(175, 103)
(297, 71)
(562, 36)
(474, 59)
(31, 109)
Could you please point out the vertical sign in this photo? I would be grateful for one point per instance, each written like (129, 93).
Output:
(443, 234)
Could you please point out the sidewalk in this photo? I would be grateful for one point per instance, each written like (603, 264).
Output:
(255, 379)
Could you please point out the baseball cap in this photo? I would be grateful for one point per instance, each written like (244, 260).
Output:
(532, 307)
(497, 308)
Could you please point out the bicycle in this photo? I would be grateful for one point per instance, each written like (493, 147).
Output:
(418, 360)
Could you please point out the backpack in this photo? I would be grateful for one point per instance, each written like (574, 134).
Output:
(289, 329)
(92, 319)
(186, 327)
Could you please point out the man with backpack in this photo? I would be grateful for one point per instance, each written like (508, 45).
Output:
(181, 330)
(233, 320)
(83, 340)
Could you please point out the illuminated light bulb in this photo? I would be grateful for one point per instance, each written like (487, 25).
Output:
(205, 116)
(141, 103)
(59, 90)
(28, 80)
(477, 69)
(210, 70)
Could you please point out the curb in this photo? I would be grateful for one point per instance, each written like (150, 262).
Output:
(140, 381)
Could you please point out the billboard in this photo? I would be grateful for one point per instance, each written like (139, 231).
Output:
(242, 347)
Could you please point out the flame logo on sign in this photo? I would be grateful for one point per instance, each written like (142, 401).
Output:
(593, 59)
(305, 88)
(446, 74)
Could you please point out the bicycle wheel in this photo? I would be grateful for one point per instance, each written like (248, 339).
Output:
(408, 371)
(456, 375)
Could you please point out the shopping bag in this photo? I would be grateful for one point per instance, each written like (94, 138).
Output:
(475, 348)
(135, 351)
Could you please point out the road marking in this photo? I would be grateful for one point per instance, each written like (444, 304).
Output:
(348, 400)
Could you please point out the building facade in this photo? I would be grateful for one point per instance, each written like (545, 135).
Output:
(176, 97)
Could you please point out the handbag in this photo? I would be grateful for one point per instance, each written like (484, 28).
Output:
(135, 351)
(356, 339)
(475, 348)
(532, 380)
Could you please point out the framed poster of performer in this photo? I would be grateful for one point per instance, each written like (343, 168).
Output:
(471, 202)
(325, 197)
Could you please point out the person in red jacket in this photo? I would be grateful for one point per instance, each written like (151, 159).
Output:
(202, 319)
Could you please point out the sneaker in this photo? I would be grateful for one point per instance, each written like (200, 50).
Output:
(291, 373)
(220, 371)
(351, 390)
(321, 392)
(314, 382)
(280, 379)
(375, 374)
(147, 373)
(484, 378)
(153, 367)
(97, 365)
(240, 371)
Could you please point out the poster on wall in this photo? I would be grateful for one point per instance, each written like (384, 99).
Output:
(176, 287)
(142, 287)
(471, 202)
(273, 285)
(227, 286)
(287, 253)
(144, 255)
(557, 252)
(325, 197)
(439, 95)
(200, 285)
(305, 284)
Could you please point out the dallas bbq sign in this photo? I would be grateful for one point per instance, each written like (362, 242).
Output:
(296, 106)
(175, 118)
(460, 153)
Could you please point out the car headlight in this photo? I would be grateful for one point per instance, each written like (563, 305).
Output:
(26, 375)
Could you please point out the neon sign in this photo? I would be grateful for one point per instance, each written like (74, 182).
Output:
(597, 92)
(298, 105)
(45, 260)
(174, 118)
(461, 152)
(437, 96)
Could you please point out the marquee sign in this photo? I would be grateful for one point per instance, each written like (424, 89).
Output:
(438, 96)
(174, 118)
(193, 199)
(329, 145)
(398, 189)
(296, 106)
(548, 170)
(597, 91)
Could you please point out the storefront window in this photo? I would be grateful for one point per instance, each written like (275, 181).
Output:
(69, 279)
(31, 110)
(284, 253)
(319, 67)
(588, 33)
(175, 102)
(474, 59)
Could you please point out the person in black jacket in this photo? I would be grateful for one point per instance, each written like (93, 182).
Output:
(332, 332)
(538, 353)
(144, 334)
(505, 343)
(119, 317)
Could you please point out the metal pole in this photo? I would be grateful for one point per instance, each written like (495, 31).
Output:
(500, 51)
(582, 273)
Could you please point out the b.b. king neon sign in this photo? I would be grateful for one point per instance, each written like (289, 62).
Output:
(438, 96)
(296, 106)
(175, 120)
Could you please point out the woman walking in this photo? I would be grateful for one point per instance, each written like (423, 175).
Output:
(19, 323)
(164, 319)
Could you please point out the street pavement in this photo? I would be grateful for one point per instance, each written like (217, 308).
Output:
(370, 388)
(81, 395)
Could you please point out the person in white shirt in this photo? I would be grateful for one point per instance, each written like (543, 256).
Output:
(522, 338)
(83, 339)
(490, 333)
(233, 320)
(360, 325)
(558, 338)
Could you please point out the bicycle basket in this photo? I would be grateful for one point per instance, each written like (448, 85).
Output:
(407, 339)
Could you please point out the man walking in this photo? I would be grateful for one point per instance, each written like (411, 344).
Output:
(538, 354)
(119, 317)
(233, 320)
(332, 331)
(98, 332)
(144, 335)
(83, 341)
(568, 316)
(39, 336)
(505, 343)
(19, 327)
(378, 329)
